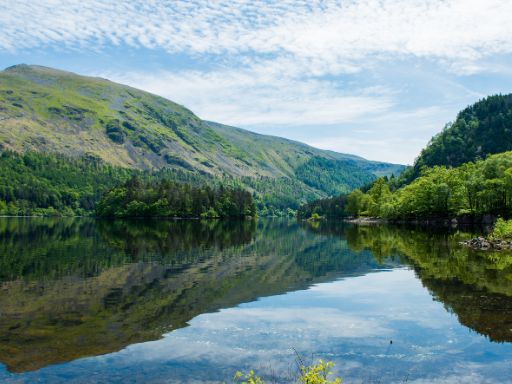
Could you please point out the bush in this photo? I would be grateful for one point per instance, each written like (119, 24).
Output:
(502, 229)
(318, 373)
(115, 132)
(315, 217)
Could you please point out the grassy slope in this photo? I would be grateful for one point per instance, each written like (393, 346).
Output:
(44, 109)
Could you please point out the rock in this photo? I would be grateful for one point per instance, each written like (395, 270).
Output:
(485, 244)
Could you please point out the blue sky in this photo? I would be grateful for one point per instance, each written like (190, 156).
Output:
(376, 78)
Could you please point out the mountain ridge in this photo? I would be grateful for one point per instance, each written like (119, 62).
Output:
(44, 109)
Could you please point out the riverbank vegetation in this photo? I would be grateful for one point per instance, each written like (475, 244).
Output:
(465, 170)
(46, 184)
(473, 189)
(502, 229)
(49, 184)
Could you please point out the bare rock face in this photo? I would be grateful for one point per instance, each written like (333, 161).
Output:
(487, 244)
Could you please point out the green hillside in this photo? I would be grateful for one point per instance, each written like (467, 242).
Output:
(465, 170)
(51, 111)
(479, 130)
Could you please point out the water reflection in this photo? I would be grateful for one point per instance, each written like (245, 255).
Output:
(73, 288)
(475, 285)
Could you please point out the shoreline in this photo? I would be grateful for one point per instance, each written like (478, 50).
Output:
(487, 244)
(454, 221)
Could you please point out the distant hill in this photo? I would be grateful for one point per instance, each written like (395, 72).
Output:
(52, 111)
(479, 130)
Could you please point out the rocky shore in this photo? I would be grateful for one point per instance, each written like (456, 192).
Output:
(364, 220)
(487, 244)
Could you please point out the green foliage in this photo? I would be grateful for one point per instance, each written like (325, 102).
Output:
(332, 176)
(318, 373)
(330, 207)
(248, 378)
(165, 198)
(502, 229)
(115, 132)
(481, 129)
(355, 202)
(53, 185)
(51, 111)
(315, 217)
(483, 187)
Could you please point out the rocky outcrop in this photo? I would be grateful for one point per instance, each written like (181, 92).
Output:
(487, 244)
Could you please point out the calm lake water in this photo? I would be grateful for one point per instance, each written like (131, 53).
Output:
(84, 301)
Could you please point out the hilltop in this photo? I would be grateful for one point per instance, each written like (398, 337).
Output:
(479, 130)
(52, 111)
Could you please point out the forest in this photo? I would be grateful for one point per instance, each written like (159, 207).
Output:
(166, 198)
(473, 189)
(464, 171)
(38, 184)
(51, 184)
(480, 130)
(46, 184)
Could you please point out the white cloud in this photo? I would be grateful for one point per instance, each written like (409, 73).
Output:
(254, 96)
(286, 63)
(327, 36)
(330, 34)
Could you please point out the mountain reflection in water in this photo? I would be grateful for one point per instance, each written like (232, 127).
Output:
(76, 287)
(72, 288)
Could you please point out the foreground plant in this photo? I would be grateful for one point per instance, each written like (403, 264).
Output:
(248, 378)
(318, 373)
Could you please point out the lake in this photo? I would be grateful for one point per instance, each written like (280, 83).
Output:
(84, 301)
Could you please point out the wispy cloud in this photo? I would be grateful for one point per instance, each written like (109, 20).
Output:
(290, 64)
(328, 35)
(256, 97)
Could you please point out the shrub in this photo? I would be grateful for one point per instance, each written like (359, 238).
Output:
(315, 217)
(502, 229)
(114, 131)
(318, 373)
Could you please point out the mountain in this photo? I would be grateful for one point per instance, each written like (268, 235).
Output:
(479, 130)
(51, 111)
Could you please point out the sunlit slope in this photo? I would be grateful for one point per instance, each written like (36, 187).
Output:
(44, 109)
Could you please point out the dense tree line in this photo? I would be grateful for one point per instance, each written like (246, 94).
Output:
(165, 198)
(330, 207)
(49, 184)
(35, 183)
(453, 175)
(45, 184)
(332, 176)
(475, 188)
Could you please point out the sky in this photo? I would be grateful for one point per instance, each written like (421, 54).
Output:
(375, 78)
